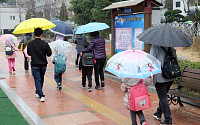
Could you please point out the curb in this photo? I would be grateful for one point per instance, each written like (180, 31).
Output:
(31, 117)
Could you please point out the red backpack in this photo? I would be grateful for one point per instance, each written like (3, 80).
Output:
(139, 98)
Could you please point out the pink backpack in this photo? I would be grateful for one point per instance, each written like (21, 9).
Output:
(139, 98)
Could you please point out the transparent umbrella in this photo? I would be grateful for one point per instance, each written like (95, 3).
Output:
(65, 48)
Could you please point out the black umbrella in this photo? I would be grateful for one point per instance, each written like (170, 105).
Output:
(165, 35)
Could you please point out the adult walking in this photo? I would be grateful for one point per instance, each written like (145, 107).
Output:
(97, 44)
(22, 45)
(79, 41)
(162, 85)
(38, 50)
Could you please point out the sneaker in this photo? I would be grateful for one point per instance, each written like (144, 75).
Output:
(59, 87)
(102, 84)
(98, 87)
(83, 86)
(157, 116)
(42, 99)
(13, 68)
(37, 96)
(166, 122)
(89, 89)
(144, 123)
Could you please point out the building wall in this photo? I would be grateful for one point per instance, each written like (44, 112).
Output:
(9, 17)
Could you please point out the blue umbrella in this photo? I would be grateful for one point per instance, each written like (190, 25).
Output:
(91, 27)
(62, 28)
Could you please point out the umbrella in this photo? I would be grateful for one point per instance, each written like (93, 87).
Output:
(165, 35)
(64, 47)
(133, 64)
(91, 27)
(62, 28)
(28, 26)
(188, 22)
(8, 38)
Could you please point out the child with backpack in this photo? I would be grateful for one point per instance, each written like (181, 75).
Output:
(59, 61)
(129, 87)
(11, 55)
(86, 65)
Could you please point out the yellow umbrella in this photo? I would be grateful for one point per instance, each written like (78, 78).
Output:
(29, 25)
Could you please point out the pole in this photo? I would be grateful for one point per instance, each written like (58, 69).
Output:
(113, 14)
(147, 21)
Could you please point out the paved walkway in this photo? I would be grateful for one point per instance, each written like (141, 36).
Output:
(74, 105)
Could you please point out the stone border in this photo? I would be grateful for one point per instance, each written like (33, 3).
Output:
(31, 117)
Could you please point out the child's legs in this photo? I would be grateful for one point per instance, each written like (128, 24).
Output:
(133, 117)
(89, 76)
(9, 64)
(141, 116)
(84, 73)
(60, 77)
(13, 62)
(56, 78)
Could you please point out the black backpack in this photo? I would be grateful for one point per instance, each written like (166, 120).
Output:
(9, 49)
(170, 67)
(88, 59)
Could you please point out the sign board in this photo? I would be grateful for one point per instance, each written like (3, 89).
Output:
(127, 28)
(128, 10)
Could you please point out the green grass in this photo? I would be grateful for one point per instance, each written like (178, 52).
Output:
(9, 115)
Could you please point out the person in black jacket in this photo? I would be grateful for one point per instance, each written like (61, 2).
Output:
(38, 50)
(86, 71)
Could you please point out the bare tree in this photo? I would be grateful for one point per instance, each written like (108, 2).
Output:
(187, 4)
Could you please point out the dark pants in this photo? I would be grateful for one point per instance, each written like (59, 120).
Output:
(139, 114)
(77, 59)
(26, 67)
(162, 90)
(87, 71)
(38, 74)
(58, 77)
(98, 69)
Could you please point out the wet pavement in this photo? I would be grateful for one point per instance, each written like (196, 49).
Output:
(74, 105)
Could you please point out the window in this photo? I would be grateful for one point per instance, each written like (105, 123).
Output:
(12, 17)
(178, 4)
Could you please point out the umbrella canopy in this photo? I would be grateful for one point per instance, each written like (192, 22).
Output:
(91, 27)
(8, 38)
(133, 64)
(165, 35)
(64, 47)
(28, 26)
(62, 28)
(188, 22)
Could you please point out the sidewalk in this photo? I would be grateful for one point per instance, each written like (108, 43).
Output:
(74, 105)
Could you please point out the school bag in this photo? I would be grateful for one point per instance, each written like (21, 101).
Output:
(8, 48)
(139, 98)
(170, 67)
(87, 59)
(60, 64)
(21, 45)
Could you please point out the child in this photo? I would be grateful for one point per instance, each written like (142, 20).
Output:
(86, 71)
(125, 87)
(11, 57)
(59, 62)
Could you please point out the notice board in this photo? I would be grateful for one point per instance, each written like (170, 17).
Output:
(127, 28)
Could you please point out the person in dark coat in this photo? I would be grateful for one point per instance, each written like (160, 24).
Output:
(79, 41)
(97, 44)
(39, 50)
(26, 39)
(162, 85)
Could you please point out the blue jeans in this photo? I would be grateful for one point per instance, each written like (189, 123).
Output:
(38, 74)
(58, 77)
